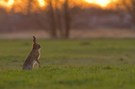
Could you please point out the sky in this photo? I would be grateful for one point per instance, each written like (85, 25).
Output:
(8, 4)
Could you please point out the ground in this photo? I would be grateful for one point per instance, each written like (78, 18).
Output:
(75, 33)
(69, 64)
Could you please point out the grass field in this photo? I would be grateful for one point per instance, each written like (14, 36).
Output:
(70, 64)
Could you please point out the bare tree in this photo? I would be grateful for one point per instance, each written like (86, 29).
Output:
(29, 6)
(51, 19)
(58, 12)
(59, 18)
(129, 5)
(67, 19)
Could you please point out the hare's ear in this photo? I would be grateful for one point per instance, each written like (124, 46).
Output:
(34, 39)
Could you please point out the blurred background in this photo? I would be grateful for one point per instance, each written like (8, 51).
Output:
(67, 18)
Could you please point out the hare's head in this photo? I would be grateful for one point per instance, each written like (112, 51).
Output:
(35, 45)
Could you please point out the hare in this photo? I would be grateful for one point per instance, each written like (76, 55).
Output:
(33, 57)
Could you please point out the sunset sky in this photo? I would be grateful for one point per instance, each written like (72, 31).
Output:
(42, 3)
(102, 3)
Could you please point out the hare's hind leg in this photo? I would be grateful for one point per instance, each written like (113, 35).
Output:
(27, 68)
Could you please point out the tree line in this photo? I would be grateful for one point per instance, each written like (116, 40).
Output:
(59, 14)
(58, 17)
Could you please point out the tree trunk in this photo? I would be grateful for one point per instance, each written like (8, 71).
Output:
(59, 20)
(29, 7)
(130, 7)
(53, 31)
(67, 18)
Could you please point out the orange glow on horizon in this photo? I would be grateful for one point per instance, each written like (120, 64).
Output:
(7, 3)
(102, 3)
(42, 3)
(10, 3)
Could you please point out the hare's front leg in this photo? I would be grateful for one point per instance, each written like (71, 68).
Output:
(38, 63)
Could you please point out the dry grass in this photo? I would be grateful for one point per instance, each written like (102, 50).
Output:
(83, 33)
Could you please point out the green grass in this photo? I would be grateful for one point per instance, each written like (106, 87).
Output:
(70, 64)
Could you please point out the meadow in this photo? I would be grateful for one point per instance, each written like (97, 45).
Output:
(69, 64)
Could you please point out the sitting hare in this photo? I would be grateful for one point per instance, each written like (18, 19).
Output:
(33, 57)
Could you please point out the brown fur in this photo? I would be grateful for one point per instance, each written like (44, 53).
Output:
(33, 57)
